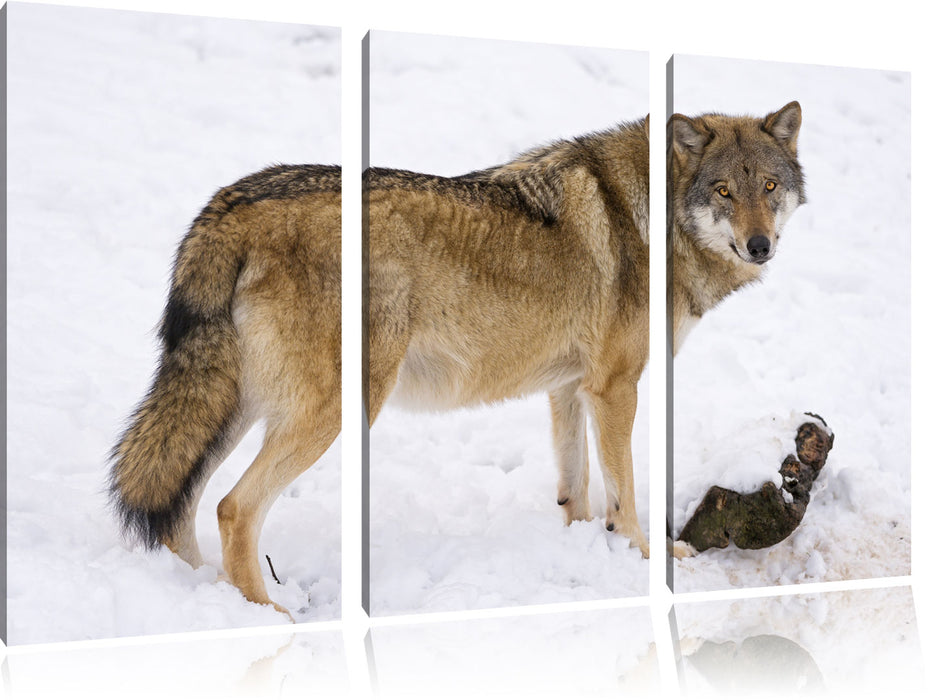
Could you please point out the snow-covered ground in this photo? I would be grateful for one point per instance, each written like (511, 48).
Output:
(463, 505)
(122, 125)
(828, 331)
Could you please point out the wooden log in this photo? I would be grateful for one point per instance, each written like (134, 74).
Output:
(813, 444)
(766, 516)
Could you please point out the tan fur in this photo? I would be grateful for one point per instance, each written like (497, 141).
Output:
(708, 234)
(532, 276)
(528, 277)
(251, 331)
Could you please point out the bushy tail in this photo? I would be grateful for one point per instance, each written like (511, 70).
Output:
(161, 460)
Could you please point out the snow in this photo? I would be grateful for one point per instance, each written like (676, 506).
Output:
(123, 125)
(827, 331)
(463, 504)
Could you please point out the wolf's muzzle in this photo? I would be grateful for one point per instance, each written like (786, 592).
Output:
(759, 248)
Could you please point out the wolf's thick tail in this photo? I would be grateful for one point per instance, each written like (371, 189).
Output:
(160, 462)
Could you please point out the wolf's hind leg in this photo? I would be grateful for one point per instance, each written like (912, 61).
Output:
(288, 450)
(571, 447)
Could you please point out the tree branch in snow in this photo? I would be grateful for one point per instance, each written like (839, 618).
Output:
(767, 516)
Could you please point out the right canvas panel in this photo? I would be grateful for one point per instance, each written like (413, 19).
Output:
(788, 231)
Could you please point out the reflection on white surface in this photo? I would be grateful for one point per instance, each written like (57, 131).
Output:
(860, 641)
(259, 666)
(586, 654)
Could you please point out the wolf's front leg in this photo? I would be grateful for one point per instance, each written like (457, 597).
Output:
(571, 446)
(614, 406)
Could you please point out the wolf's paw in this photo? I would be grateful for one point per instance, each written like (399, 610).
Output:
(681, 550)
(633, 533)
(266, 602)
(258, 597)
(575, 510)
(642, 543)
(281, 609)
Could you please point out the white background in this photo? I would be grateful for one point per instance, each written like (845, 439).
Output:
(831, 33)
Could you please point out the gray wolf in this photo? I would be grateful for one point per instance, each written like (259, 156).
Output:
(732, 183)
(531, 276)
(251, 331)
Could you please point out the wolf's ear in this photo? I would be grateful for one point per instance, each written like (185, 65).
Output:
(687, 136)
(784, 125)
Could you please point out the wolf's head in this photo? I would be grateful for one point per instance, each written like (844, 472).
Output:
(734, 181)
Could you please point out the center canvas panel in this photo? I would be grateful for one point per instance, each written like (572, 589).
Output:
(506, 255)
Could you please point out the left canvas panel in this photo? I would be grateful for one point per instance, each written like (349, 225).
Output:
(172, 308)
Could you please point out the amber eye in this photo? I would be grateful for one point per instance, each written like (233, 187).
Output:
(723, 191)
(770, 185)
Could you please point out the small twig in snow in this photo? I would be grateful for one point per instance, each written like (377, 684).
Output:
(272, 571)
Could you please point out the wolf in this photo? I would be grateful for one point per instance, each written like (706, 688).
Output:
(251, 330)
(528, 276)
(531, 276)
(732, 184)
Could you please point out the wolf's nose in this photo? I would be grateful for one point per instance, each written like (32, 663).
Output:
(759, 247)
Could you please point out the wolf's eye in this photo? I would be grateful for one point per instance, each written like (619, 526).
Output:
(770, 185)
(723, 191)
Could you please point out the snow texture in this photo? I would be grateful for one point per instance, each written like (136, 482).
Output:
(122, 125)
(827, 331)
(463, 508)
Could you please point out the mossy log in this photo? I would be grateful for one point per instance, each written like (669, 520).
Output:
(766, 516)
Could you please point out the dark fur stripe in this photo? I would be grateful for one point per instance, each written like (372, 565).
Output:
(531, 184)
(152, 527)
(275, 182)
(537, 199)
(178, 321)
